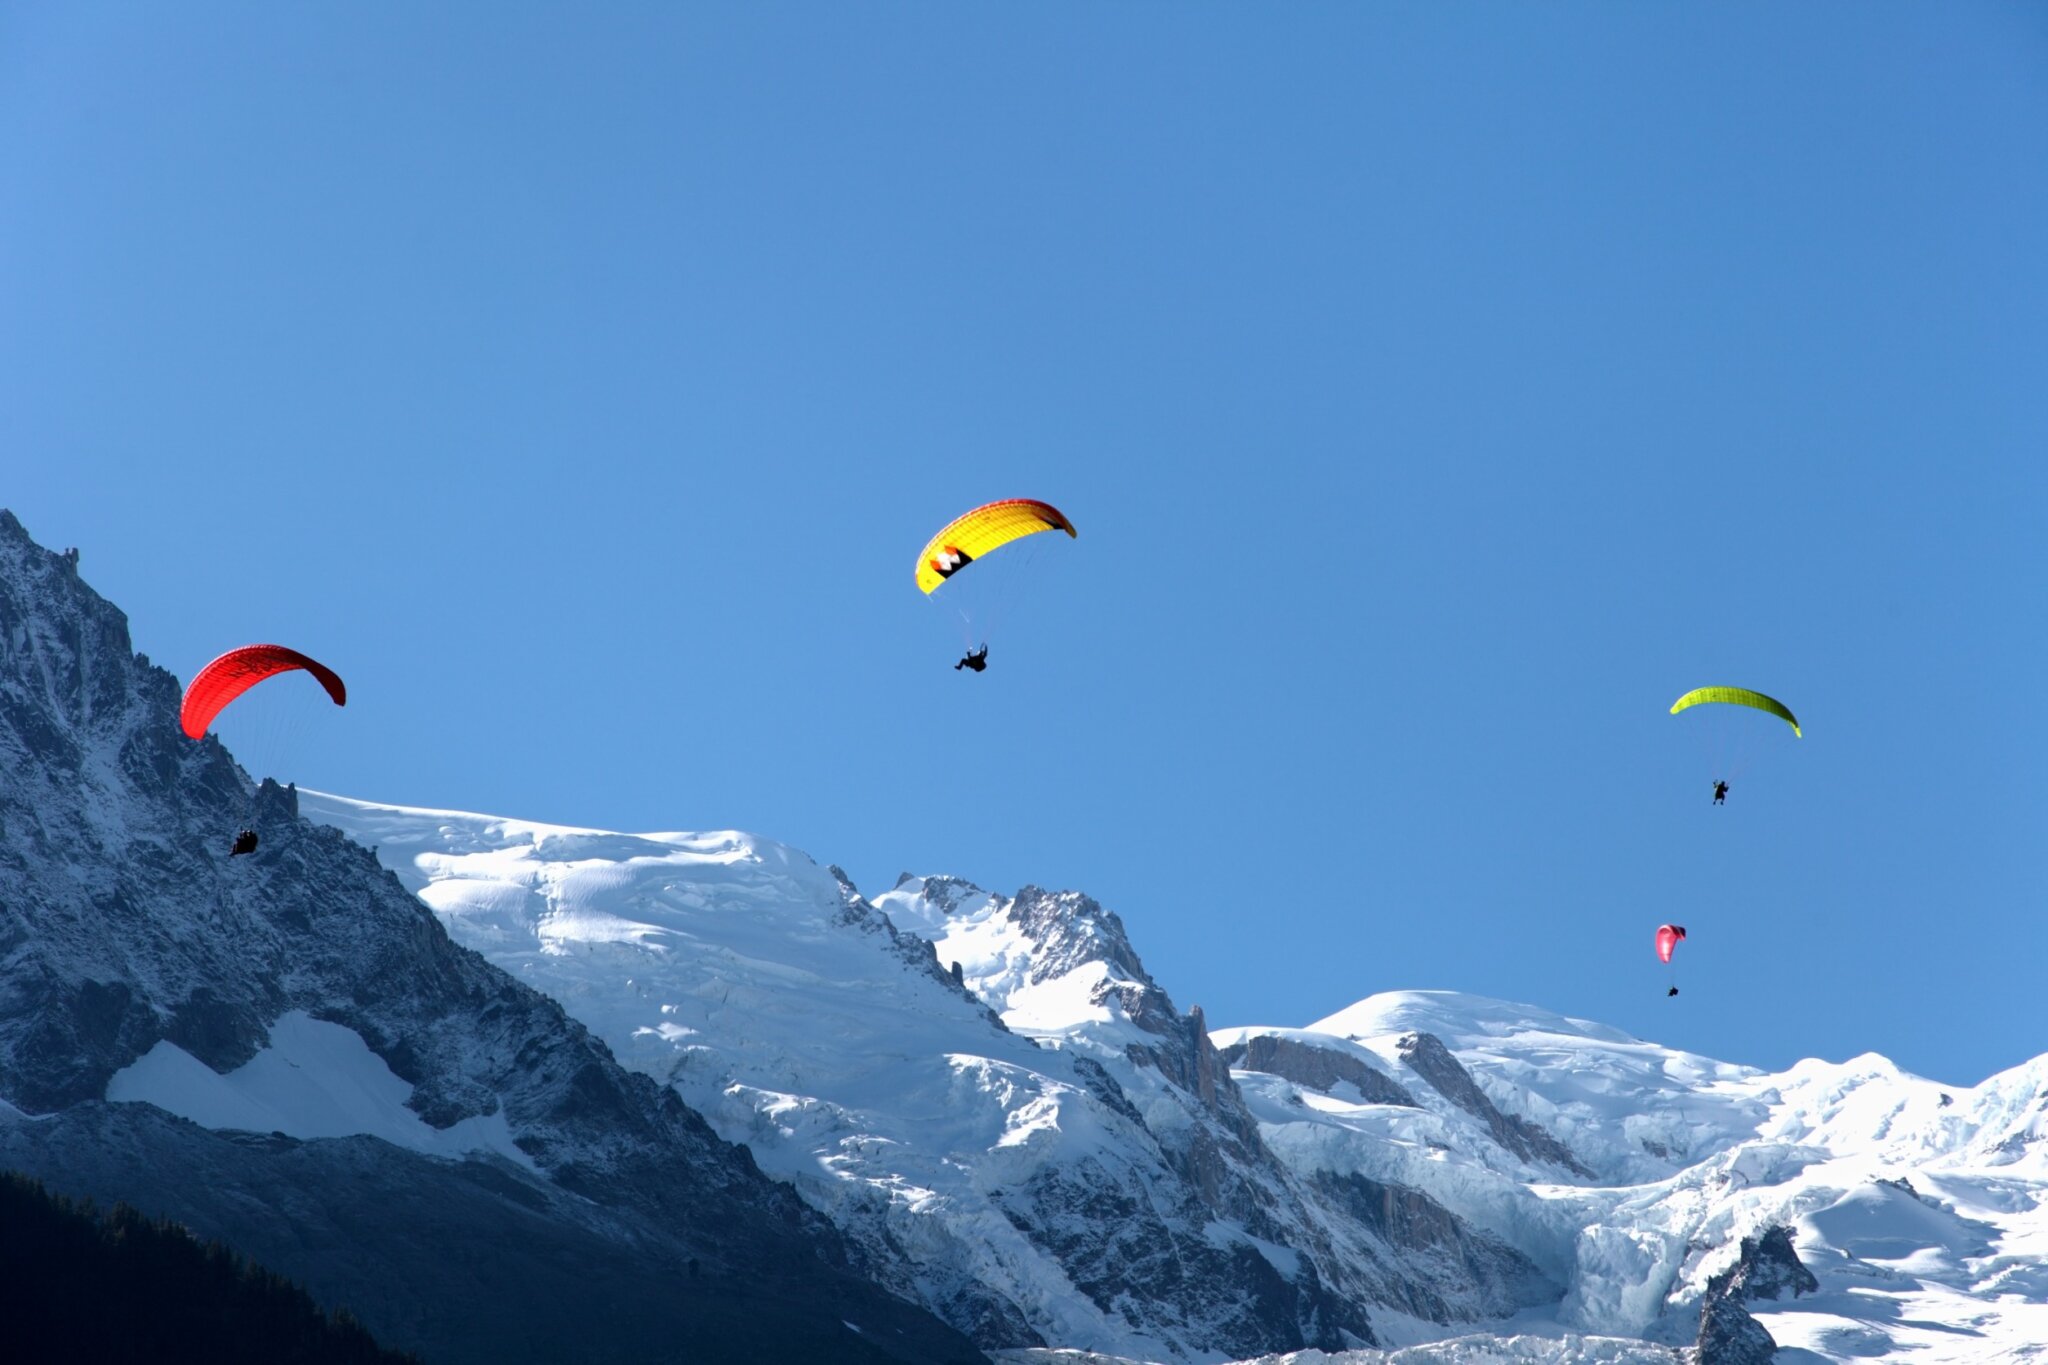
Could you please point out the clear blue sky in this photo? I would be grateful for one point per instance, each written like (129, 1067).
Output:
(1438, 390)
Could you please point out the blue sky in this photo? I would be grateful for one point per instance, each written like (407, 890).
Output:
(1439, 391)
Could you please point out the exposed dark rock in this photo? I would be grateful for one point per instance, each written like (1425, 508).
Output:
(466, 1263)
(1156, 1248)
(1730, 1336)
(124, 922)
(1450, 1271)
(1767, 1267)
(948, 893)
(1318, 1068)
(1434, 1063)
(1139, 1260)
(639, 1235)
(1069, 929)
(856, 911)
(1103, 1086)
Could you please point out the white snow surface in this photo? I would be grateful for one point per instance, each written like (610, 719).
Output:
(1919, 1207)
(728, 967)
(1561, 1349)
(314, 1080)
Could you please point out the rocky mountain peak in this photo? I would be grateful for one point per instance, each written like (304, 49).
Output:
(1768, 1267)
(132, 946)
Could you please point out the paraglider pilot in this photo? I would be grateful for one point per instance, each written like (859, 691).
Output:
(1720, 793)
(1669, 936)
(245, 842)
(975, 659)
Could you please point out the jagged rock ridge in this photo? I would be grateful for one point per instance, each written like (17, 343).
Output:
(1010, 1113)
(127, 933)
(1007, 1119)
(1767, 1267)
(1318, 1068)
(1434, 1063)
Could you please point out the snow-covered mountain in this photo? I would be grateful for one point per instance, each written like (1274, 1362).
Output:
(987, 1094)
(516, 1101)
(990, 1096)
(1917, 1208)
(286, 1051)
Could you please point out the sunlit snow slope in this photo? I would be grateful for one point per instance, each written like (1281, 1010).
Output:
(939, 1104)
(799, 1022)
(1918, 1207)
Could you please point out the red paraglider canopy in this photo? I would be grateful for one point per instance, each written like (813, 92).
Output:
(238, 670)
(1667, 939)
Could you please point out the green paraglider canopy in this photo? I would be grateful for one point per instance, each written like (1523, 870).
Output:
(1738, 696)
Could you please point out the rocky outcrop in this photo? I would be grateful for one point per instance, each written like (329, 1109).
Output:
(1123, 1240)
(465, 1263)
(1729, 1335)
(1450, 1270)
(1318, 1068)
(125, 924)
(1432, 1061)
(1348, 1242)
(1767, 1268)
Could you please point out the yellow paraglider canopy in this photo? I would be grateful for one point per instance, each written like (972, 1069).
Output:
(989, 527)
(1738, 696)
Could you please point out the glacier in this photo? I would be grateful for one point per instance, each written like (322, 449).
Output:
(747, 1102)
(990, 1096)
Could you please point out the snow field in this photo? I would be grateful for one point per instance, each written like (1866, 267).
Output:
(816, 1031)
(314, 1080)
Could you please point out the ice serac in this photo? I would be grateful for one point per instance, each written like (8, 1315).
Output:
(1920, 1211)
(1011, 1121)
(441, 1143)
